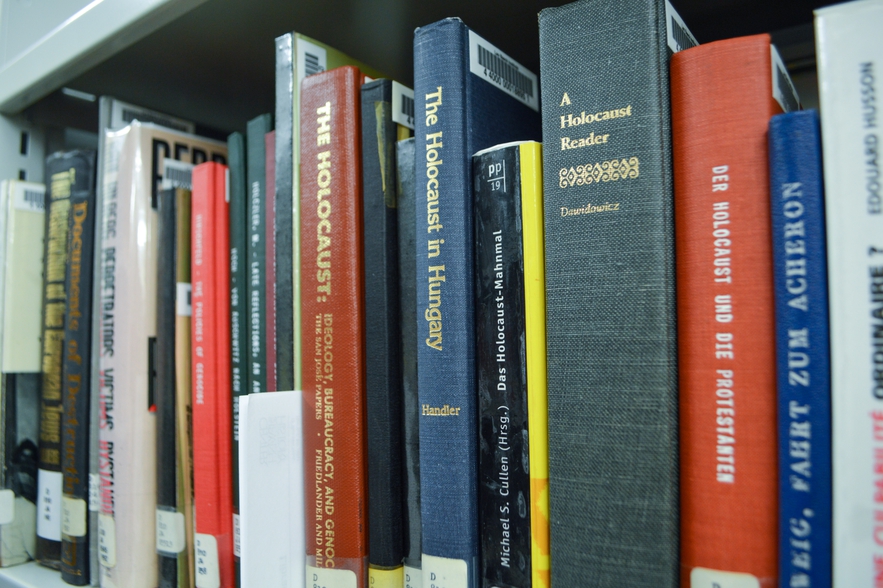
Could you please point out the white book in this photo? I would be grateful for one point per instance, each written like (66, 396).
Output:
(849, 46)
(271, 491)
(132, 170)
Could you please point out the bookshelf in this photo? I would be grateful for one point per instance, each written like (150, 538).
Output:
(211, 61)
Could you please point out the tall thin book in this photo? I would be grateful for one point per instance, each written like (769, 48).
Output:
(469, 95)
(850, 63)
(610, 284)
(511, 358)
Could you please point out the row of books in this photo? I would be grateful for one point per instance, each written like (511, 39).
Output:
(637, 274)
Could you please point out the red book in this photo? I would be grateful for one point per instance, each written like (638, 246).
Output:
(270, 274)
(722, 101)
(332, 311)
(212, 411)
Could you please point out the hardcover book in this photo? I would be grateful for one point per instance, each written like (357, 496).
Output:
(256, 252)
(850, 63)
(381, 127)
(297, 56)
(507, 183)
(335, 476)
(270, 258)
(469, 95)
(610, 284)
(802, 349)
(133, 169)
(238, 207)
(212, 416)
(723, 96)
(61, 171)
(76, 370)
(22, 227)
(407, 222)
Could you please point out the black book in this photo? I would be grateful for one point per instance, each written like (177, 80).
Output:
(76, 383)
(164, 395)
(610, 283)
(285, 340)
(256, 252)
(238, 306)
(383, 344)
(407, 221)
(504, 495)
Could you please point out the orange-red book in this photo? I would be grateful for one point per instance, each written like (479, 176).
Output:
(332, 315)
(212, 412)
(722, 100)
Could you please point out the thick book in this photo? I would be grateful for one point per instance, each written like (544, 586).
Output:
(407, 222)
(133, 170)
(270, 259)
(723, 95)
(238, 215)
(212, 411)
(803, 364)
(174, 472)
(271, 488)
(76, 370)
(61, 172)
(113, 114)
(256, 252)
(850, 63)
(507, 183)
(610, 305)
(22, 227)
(335, 471)
(297, 56)
(468, 96)
(382, 125)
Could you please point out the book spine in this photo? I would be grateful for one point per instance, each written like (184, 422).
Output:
(256, 251)
(333, 306)
(407, 222)
(49, 476)
(530, 158)
(610, 294)
(726, 338)
(76, 381)
(212, 434)
(850, 68)
(286, 201)
(270, 261)
(802, 349)
(503, 476)
(238, 307)
(168, 543)
(183, 396)
(383, 355)
(445, 309)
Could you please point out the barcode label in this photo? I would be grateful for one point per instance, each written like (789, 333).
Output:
(783, 89)
(311, 59)
(494, 66)
(122, 114)
(176, 174)
(403, 105)
(679, 36)
(29, 197)
(184, 299)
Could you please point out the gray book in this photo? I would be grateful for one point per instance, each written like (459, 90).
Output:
(610, 283)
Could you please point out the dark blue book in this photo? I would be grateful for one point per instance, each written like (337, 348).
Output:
(802, 352)
(468, 96)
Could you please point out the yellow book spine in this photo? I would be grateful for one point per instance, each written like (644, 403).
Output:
(535, 330)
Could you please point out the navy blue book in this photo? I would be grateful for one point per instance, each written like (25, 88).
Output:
(468, 96)
(802, 352)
